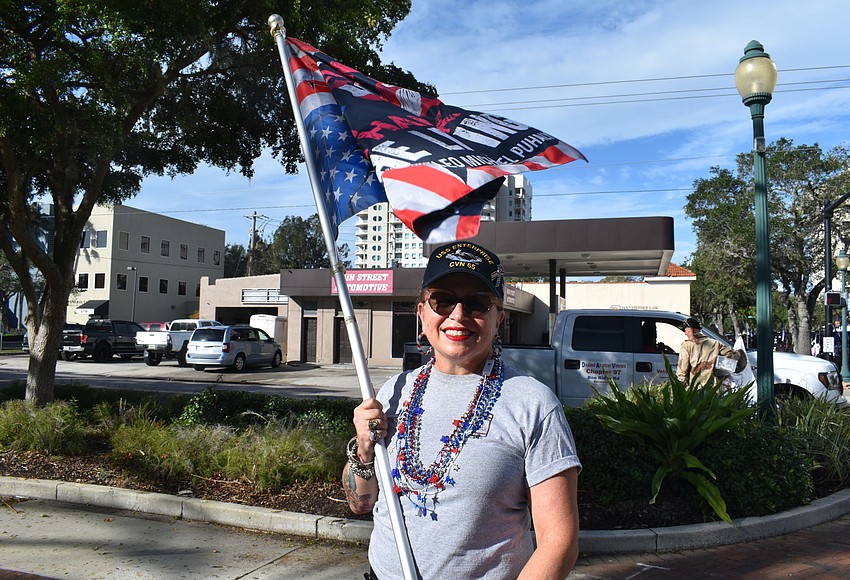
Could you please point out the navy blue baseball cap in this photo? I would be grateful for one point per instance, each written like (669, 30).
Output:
(466, 258)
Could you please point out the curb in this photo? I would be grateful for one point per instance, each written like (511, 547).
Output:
(652, 540)
(696, 536)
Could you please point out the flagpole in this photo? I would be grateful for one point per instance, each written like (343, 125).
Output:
(408, 567)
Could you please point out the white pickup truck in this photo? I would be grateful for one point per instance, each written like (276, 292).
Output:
(590, 346)
(172, 341)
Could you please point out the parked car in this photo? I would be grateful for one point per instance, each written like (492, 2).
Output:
(155, 326)
(172, 342)
(103, 338)
(235, 346)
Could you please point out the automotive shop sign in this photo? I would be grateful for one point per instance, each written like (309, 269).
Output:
(367, 282)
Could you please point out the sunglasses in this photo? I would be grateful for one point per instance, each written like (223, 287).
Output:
(444, 303)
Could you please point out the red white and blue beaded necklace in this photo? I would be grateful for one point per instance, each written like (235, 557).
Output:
(421, 485)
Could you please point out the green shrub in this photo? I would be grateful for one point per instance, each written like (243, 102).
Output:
(215, 407)
(53, 429)
(150, 449)
(241, 409)
(759, 469)
(86, 398)
(628, 476)
(273, 456)
(822, 432)
(269, 456)
(674, 419)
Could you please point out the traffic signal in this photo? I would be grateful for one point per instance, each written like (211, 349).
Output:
(833, 298)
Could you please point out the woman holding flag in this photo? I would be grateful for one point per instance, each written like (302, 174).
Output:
(478, 451)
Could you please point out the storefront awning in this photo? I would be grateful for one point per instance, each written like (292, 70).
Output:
(93, 308)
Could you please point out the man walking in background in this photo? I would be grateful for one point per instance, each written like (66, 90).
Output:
(698, 354)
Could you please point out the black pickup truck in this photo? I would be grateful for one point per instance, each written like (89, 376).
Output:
(101, 339)
(72, 344)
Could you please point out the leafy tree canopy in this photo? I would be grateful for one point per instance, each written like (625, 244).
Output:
(800, 181)
(298, 243)
(97, 94)
(622, 279)
(235, 258)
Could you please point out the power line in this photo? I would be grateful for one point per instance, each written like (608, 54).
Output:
(627, 81)
(650, 93)
(659, 99)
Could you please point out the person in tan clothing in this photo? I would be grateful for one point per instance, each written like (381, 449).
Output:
(698, 354)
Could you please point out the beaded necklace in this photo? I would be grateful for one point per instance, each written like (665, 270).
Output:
(421, 485)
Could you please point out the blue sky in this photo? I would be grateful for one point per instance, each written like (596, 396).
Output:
(644, 89)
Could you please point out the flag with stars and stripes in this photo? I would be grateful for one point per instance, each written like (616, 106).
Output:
(436, 164)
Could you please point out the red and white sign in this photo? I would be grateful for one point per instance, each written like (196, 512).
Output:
(367, 282)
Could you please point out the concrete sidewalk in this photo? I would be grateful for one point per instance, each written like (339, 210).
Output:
(60, 540)
(656, 540)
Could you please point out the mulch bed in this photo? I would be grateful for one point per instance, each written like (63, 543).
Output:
(325, 499)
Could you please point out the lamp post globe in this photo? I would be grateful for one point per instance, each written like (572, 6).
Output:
(755, 79)
(842, 261)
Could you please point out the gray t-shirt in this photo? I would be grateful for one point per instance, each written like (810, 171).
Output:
(482, 525)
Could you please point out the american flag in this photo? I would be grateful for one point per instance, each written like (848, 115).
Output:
(347, 179)
(436, 164)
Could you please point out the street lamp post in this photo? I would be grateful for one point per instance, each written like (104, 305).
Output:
(135, 283)
(842, 261)
(755, 79)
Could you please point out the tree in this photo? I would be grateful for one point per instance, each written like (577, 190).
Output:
(260, 259)
(234, 260)
(800, 179)
(9, 286)
(299, 243)
(724, 260)
(95, 95)
(622, 279)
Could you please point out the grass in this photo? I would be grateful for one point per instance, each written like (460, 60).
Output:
(271, 442)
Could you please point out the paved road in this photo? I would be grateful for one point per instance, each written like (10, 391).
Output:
(289, 380)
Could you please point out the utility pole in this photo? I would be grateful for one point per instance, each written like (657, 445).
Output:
(252, 242)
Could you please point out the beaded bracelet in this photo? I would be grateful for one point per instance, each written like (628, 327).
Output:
(360, 469)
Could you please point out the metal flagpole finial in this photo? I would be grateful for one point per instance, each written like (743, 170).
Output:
(276, 24)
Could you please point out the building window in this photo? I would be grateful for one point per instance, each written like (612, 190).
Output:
(165, 248)
(198, 290)
(121, 282)
(163, 286)
(184, 251)
(100, 280)
(216, 258)
(181, 288)
(123, 240)
(100, 239)
(143, 283)
(145, 246)
(82, 281)
(85, 240)
(201, 255)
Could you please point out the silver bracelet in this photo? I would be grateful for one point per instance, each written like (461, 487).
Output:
(360, 469)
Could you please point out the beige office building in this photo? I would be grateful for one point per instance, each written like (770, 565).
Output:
(137, 265)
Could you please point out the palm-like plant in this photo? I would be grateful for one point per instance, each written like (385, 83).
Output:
(675, 418)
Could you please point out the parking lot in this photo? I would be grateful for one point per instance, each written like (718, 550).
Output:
(297, 380)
